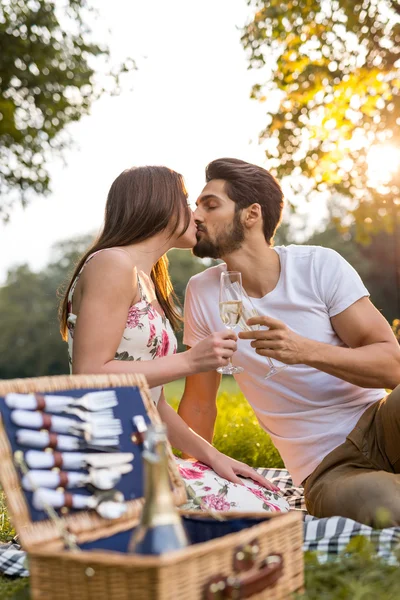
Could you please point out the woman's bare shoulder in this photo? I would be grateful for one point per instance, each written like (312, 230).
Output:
(111, 266)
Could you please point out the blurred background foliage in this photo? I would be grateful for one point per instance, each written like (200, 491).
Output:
(329, 77)
(51, 71)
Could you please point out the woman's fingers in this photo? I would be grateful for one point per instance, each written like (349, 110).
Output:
(249, 472)
(230, 476)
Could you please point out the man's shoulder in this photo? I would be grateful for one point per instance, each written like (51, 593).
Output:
(295, 251)
(208, 276)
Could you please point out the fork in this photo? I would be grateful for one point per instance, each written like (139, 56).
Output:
(92, 401)
(90, 417)
(38, 420)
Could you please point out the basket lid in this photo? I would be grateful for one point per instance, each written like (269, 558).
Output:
(35, 527)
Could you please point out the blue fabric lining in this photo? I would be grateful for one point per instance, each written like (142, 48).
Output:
(130, 403)
(198, 529)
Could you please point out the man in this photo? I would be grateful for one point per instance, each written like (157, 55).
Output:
(328, 413)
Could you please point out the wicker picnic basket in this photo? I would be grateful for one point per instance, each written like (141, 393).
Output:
(260, 561)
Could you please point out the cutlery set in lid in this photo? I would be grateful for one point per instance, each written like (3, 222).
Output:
(70, 450)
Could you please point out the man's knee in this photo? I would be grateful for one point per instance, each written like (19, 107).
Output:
(372, 498)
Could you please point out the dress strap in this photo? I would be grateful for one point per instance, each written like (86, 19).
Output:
(73, 286)
(89, 258)
(141, 291)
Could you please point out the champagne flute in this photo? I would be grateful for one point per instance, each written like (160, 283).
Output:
(230, 309)
(248, 311)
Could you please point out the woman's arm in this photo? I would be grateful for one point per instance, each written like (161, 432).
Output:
(184, 439)
(107, 288)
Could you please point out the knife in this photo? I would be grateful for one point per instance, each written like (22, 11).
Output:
(75, 460)
(44, 439)
(43, 497)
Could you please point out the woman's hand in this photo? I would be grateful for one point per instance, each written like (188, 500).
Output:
(229, 468)
(212, 352)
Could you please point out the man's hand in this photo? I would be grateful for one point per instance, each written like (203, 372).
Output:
(278, 341)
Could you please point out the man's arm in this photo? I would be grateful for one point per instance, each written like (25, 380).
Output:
(198, 406)
(371, 360)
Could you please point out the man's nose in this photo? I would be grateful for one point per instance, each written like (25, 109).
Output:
(197, 216)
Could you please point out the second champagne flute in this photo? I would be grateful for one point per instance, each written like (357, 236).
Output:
(248, 311)
(230, 309)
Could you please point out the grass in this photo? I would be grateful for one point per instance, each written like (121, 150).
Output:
(237, 432)
(357, 574)
(10, 588)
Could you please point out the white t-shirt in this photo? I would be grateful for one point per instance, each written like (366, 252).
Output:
(306, 412)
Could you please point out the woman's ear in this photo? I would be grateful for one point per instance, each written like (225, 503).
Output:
(253, 215)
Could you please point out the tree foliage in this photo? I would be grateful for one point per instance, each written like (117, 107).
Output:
(30, 341)
(332, 86)
(48, 63)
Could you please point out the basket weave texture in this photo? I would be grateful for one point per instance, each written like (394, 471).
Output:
(180, 575)
(62, 574)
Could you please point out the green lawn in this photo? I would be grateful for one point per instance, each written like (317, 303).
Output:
(237, 432)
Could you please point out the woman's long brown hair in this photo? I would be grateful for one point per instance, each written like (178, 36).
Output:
(142, 202)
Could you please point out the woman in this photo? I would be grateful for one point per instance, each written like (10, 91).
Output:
(118, 316)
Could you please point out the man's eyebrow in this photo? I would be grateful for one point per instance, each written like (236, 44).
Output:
(207, 197)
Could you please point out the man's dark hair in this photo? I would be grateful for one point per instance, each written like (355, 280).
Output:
(248, 184)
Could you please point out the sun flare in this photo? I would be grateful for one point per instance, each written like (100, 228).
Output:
(383, 161)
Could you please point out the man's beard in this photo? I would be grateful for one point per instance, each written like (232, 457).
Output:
(228, 241)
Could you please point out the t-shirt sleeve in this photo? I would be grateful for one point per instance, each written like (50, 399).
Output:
(195, 326)
(338, 282)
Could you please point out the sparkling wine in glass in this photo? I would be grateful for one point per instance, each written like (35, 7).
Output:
(248, 311)
(230, 309)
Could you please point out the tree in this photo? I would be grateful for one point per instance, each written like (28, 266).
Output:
(30, 341)
(182, 266)
(47, 80)
(332, 88)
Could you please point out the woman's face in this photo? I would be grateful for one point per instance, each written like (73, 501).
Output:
(188, 239)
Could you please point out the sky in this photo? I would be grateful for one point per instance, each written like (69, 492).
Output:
(187, 104)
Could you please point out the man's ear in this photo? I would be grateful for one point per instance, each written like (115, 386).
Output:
(252, 215)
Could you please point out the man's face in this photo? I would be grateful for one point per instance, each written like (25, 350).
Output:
(219, 229)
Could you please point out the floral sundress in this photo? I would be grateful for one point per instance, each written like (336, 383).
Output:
(148, 335)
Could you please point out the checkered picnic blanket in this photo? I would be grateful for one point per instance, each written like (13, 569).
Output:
(331, 535)
(326, 536)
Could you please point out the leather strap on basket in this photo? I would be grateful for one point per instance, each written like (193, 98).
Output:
(247, 585)
(245, 556)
